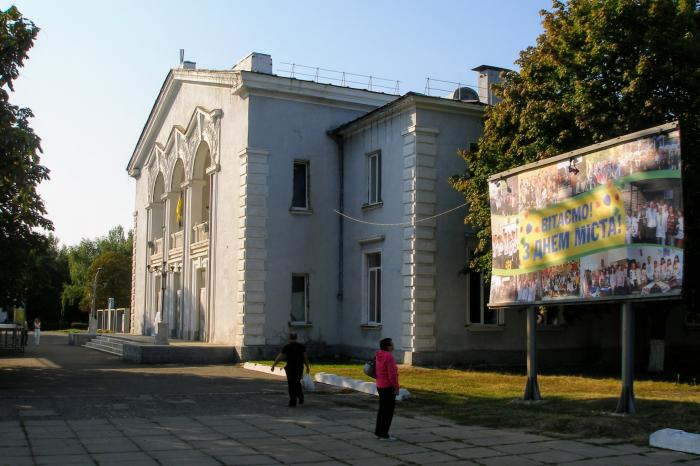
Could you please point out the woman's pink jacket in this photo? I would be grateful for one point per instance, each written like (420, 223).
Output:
(387, 372)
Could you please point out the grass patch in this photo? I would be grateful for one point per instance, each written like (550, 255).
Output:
(573, 405)
(68, 330)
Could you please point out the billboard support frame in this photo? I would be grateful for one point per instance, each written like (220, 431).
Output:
(626, 403)
(532, 388)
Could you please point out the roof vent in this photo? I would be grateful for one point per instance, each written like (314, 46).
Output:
(465, 93)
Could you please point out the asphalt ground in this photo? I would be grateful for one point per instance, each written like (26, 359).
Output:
(68, 405)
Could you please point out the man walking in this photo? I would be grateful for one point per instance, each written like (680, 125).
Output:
(295, 355)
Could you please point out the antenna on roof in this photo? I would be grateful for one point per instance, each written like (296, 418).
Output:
(182, 57)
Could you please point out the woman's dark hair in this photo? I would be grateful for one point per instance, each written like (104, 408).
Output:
(385, 344)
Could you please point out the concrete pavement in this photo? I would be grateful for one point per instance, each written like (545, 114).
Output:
(72, 406)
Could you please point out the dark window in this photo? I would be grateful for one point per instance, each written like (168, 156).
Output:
(300, 298)
(300, 196)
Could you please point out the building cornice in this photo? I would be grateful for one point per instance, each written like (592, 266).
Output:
(409, 102)
(251, 83)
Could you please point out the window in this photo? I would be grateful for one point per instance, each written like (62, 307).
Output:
(374, 287)
(549, 316)
(374, 178)
(300, 191)
(300, 299)
(478, 312)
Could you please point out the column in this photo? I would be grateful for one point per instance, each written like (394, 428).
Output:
(419, 245)
(252, 251)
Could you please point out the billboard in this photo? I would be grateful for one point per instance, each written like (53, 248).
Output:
(601, 223)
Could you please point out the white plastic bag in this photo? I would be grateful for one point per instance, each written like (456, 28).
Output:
(307, 383)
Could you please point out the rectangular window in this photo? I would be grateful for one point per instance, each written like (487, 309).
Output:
(374, 178)
(300, 298)
(300, 194)
(478, 313)
(374, 288)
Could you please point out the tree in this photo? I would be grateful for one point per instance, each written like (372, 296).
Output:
(114, 280)
(82, 259)
(602, 68)
(46, 273)
(22, 211)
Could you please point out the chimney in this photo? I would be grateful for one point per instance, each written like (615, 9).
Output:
(488, 76)
(186, 64)
(255, 62)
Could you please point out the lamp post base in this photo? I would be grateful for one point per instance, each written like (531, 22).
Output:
(92, 325)
(162, 333)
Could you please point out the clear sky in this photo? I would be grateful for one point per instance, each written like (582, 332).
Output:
(97, 66)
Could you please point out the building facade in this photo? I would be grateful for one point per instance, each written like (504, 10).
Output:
(241, 180)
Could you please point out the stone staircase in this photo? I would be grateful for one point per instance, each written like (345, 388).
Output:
(107, 344)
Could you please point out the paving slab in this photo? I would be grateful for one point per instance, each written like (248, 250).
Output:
(475, 452)
(429, 457)
(160, 443)
(57, 447)
(250, 460)
(123, 459)
(109, 445)
(553, 457)
(66, 460)
(509, 461)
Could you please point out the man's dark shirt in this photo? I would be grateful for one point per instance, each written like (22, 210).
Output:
(295, 356)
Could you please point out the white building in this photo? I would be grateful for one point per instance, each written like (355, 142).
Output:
(238, 176)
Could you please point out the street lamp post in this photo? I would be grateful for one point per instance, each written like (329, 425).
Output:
(92, 326)
(161, 337)
(162, 330)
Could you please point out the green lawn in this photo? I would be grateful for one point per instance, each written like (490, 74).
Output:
(572, 405)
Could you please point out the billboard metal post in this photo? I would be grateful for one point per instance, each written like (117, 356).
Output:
(532, 388)
(626, 403)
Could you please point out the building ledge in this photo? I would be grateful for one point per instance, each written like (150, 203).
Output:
(485, 328)
(371, 327)
(299, 211)
(375, 205)
(300, 324)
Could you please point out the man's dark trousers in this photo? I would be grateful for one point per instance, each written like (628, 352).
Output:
(294, 385)
(387, 401)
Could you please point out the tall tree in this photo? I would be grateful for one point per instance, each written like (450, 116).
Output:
(83, 261)
(22, 211)
(601, 68)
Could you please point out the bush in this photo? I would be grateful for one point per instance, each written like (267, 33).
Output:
(79, 325)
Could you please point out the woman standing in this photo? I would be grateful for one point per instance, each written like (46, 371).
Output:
(388, 388)
(37, 331)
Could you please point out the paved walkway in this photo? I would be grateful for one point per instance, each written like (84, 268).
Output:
(72, 406)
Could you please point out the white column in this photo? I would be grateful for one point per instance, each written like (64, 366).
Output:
(213, 173)
(419, 245)
(187, 275)
(252, 252)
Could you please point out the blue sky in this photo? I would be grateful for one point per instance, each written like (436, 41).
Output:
(97, 67)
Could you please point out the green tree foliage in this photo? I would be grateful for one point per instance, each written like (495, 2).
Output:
(601, 68)
(81, 262)
(114, 280)
(22, 211)
(46, 273)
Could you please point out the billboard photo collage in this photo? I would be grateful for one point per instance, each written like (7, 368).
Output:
(607, 224)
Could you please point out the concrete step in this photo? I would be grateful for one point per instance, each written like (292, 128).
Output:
(116, 350)
(109, 343)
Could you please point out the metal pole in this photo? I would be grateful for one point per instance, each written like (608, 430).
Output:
(626, 402)
(532, 388)
(92, 326)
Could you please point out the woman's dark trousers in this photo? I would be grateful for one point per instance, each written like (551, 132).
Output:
(294, 385)
(387, 401)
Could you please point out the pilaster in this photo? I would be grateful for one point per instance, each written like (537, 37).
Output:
(419, 244)
(252, 250)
